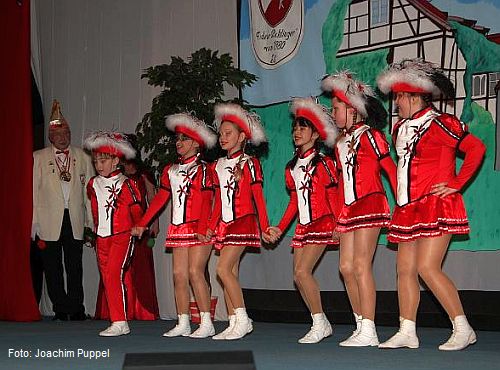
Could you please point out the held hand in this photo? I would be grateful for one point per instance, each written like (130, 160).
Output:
(154, 230)
(210, 234)
(274, 233)
(336, 236)
(267, 238)
(138, 231)
(441, 190)
(89, 238)
(202, 238)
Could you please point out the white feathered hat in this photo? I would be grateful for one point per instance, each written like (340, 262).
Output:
(193, 127)
(110, 142)
(318, 115)
(415, 76)
(248, 122)
(353, 92)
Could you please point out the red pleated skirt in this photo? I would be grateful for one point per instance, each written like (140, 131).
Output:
(370, 211)
(183, 235)
(430, 216)
(243, 231)
(318, 232)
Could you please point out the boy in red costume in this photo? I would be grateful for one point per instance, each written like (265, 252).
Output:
(116, 207)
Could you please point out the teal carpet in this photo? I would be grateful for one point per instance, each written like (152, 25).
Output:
(274, 347)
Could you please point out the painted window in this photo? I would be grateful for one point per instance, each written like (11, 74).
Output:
(493, 80)
(479, 86)
(379, 12)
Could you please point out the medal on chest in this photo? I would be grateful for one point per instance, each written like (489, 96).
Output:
(63, 166)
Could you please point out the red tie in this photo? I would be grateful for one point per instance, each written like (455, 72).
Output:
(63, 151)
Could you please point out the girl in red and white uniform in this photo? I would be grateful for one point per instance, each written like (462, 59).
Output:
(311, 180)
(430, 208)
(116, 207)
(239, 217)
(188, 183)
(361, 153)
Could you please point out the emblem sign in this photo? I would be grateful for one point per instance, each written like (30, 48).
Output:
(277, 27)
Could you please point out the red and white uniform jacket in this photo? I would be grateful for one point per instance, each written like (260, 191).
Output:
(116, 204)
(189, 183)
(426, 146)
(235, 199)
(312, 183)
(361, 153)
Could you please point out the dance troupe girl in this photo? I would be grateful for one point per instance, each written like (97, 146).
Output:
(188, 183)
(239, 208)
(311, 180)
(361, 153)
(116, 207)
(429, 206)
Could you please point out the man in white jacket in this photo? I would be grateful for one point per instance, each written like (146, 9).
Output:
(60, 214)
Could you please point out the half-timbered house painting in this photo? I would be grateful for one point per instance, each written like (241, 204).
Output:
(416, 28)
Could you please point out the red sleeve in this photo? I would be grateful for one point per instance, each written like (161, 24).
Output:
(331, 185)
(160, 199)
(332, 192)
(378, 142)
(207, 192)
(260, 204)
(206, 208)
(255, 170)
(158, 202)
(381, 147)
(474, 150)
(292, 208)
(390, 170)
(331, 171)
(165, 180)
(217, 210)
(337, 159)
(136, 210)
(395, 129)
(452, 128)
(93, 201)
(207, 179)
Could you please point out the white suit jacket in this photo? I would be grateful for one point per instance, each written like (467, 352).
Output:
(48, 198)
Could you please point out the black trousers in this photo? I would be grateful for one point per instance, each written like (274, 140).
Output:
(70, 300)
(36, 270)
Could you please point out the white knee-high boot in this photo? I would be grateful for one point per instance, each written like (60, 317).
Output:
(463, 335)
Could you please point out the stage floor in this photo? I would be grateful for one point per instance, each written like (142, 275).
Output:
(274, 347)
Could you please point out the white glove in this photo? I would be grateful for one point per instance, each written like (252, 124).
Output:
(35, 229)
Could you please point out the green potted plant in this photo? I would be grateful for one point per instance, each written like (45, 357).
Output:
(195, 86)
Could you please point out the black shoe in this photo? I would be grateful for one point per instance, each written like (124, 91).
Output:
(59, 316)
(80, 316)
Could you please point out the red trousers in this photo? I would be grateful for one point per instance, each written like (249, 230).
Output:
(142, 303)
(113, 255)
